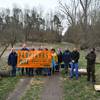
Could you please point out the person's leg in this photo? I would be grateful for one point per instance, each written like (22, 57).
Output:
(71, 70)
(49, 71)
(37, 73)
(13, 71)
(53, 67)
(88, 73)
(93, 73)
(56, 68)
(32, 72)
(22, 71)
(66, 68)
(76, 70)
(27, 71)
(44, 71)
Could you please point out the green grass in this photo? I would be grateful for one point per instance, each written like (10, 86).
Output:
(81, 89)
(6, 86)
(33, 93)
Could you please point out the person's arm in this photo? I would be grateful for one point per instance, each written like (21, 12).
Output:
(9, 60)
(16, 58)
(77, 56)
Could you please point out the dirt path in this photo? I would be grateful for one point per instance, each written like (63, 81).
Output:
(52, 89)
(21, 88)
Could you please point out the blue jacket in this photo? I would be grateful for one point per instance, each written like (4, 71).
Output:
(66, 57)
(12, 59)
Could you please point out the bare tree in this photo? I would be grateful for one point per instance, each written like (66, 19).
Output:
(70, 11)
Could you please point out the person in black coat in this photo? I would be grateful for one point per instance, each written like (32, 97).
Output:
(91, 58)
(66, 59)
(75, 55)
(60, 55)
(12, 61)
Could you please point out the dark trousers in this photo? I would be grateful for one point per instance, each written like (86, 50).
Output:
(39, 71)
(27, 71)
(57, 67)
(13, 72)
(31, 70)
(91, 72)
(66, 65)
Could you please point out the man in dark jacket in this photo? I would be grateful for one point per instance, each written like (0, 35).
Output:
(66, 59)
(27, 69)
(91, 58)
(59, 54)
(12, 60)
(74, 63)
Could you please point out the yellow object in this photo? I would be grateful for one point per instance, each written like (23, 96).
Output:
(55, 57)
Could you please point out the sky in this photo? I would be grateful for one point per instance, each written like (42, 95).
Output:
(46, 5)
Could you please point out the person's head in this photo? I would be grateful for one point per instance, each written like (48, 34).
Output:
(46, 49)
(24, 45)
(40, 49)
(66, 49)
(59, 50)
(93, 50)
(12, 50)
(33, 49)
(53, 50)
(75, 49)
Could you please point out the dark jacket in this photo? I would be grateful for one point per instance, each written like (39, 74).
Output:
(75, 55)
(66, 57)
(25, 49)
(91, 58)
(60, 57)
(12, 59)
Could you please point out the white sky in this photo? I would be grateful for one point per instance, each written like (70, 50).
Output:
(46, 5)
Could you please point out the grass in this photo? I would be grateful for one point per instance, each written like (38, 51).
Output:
(33, 93)
(6, 86)
(81, 89)
(73, 89)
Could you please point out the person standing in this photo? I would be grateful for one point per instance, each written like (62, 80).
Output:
(31, 70)
(59, 59)
(75, 55)
(91, 58)
(12, 61)
(24, 48)
(54, 60)
(66, 59)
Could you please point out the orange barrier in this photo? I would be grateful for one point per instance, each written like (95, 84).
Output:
(34, 59)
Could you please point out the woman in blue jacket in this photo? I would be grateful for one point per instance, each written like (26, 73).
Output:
(12, 61)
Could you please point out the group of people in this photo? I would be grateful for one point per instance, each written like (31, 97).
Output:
(66, 59)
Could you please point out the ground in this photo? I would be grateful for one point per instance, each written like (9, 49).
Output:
(53, 88)
(56, 87)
